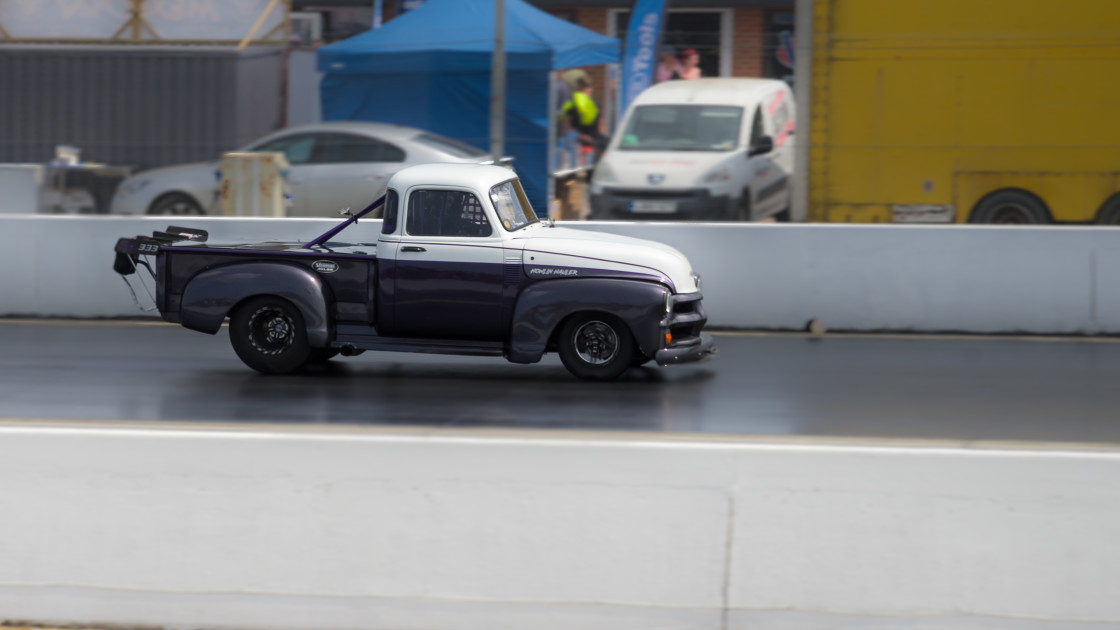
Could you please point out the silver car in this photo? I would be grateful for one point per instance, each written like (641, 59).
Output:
(333, 166)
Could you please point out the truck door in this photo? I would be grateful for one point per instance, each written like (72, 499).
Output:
(447, 273)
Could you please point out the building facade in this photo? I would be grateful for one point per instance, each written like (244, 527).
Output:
(735, 38)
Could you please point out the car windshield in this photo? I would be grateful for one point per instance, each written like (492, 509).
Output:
(682, 128)
(449, 145)
(512, 205)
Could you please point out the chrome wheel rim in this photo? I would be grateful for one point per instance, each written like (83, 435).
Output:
(271, 331)
(596, 343)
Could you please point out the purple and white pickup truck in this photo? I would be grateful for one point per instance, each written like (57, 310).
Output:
(462, 265)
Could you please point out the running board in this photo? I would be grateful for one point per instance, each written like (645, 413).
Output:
(404, 344)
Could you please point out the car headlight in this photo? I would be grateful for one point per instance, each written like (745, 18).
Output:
(134, 186)
(716, 175)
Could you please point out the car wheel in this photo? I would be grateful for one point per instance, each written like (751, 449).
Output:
(1010, 207)
(1109, 214)
(596, 347)
(176, 204)
(268, 335)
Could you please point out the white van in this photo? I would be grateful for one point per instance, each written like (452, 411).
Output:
(700, 149)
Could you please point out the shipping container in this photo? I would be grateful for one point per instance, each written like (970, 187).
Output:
(137, 106)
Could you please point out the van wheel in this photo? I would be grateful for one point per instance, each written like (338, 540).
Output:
(745, 206)
(1109, 214)
(596, 347)
(268, 335)
(1010, 207)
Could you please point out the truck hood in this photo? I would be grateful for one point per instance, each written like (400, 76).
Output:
(566, 252)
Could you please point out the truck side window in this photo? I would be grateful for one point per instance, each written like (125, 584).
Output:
(446, 213)
(389, 223)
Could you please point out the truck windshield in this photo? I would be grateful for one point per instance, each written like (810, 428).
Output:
(682, 128)
(512, 205)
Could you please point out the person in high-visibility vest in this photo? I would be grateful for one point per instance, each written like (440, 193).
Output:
(581, 114)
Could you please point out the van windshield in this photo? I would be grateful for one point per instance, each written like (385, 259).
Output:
(682, 128)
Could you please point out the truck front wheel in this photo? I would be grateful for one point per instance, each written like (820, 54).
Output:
(268, 335)
(596, 347)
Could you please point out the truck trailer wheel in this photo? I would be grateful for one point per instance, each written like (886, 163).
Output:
(1109, 214)
(268, 335)
(596, 347)
(1010, 207)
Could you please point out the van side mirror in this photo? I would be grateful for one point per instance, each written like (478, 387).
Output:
(765, 144)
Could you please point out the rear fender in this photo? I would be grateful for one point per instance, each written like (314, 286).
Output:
(210, 295)
(541, 307)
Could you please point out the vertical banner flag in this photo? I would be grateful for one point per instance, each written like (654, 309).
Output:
(639, 60)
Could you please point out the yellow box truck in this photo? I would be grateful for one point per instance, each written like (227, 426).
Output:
(990, 111)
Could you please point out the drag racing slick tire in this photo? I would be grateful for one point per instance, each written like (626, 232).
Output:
(268, 335)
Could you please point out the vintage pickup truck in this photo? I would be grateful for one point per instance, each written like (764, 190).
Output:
(462, 265)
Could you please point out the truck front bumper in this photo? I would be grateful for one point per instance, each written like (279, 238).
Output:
(693, 351)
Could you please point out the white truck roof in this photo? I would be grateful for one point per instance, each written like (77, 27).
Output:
(723, 91)
(473, 176)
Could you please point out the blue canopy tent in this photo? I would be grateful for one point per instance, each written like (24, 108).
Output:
(430, 68)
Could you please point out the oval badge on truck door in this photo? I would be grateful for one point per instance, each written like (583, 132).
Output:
(325, 266)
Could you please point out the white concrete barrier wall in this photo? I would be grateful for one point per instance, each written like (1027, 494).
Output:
(982, 279)
(236, 529)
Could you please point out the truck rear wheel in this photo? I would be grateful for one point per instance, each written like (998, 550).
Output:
(1010, 207)
(268, 335)
(596, 347)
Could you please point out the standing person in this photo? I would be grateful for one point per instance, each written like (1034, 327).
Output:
(689, 67)
(667, 67)
(583, 116)
(570, 78)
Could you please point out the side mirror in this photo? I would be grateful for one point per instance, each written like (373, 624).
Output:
(765, 144)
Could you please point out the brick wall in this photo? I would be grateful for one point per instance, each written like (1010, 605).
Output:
(747, 39)
(747, 42)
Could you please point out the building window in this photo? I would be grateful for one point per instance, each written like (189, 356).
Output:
(778, 45)
(705, 30)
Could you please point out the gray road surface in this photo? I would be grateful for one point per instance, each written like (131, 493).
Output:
(885, 387)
